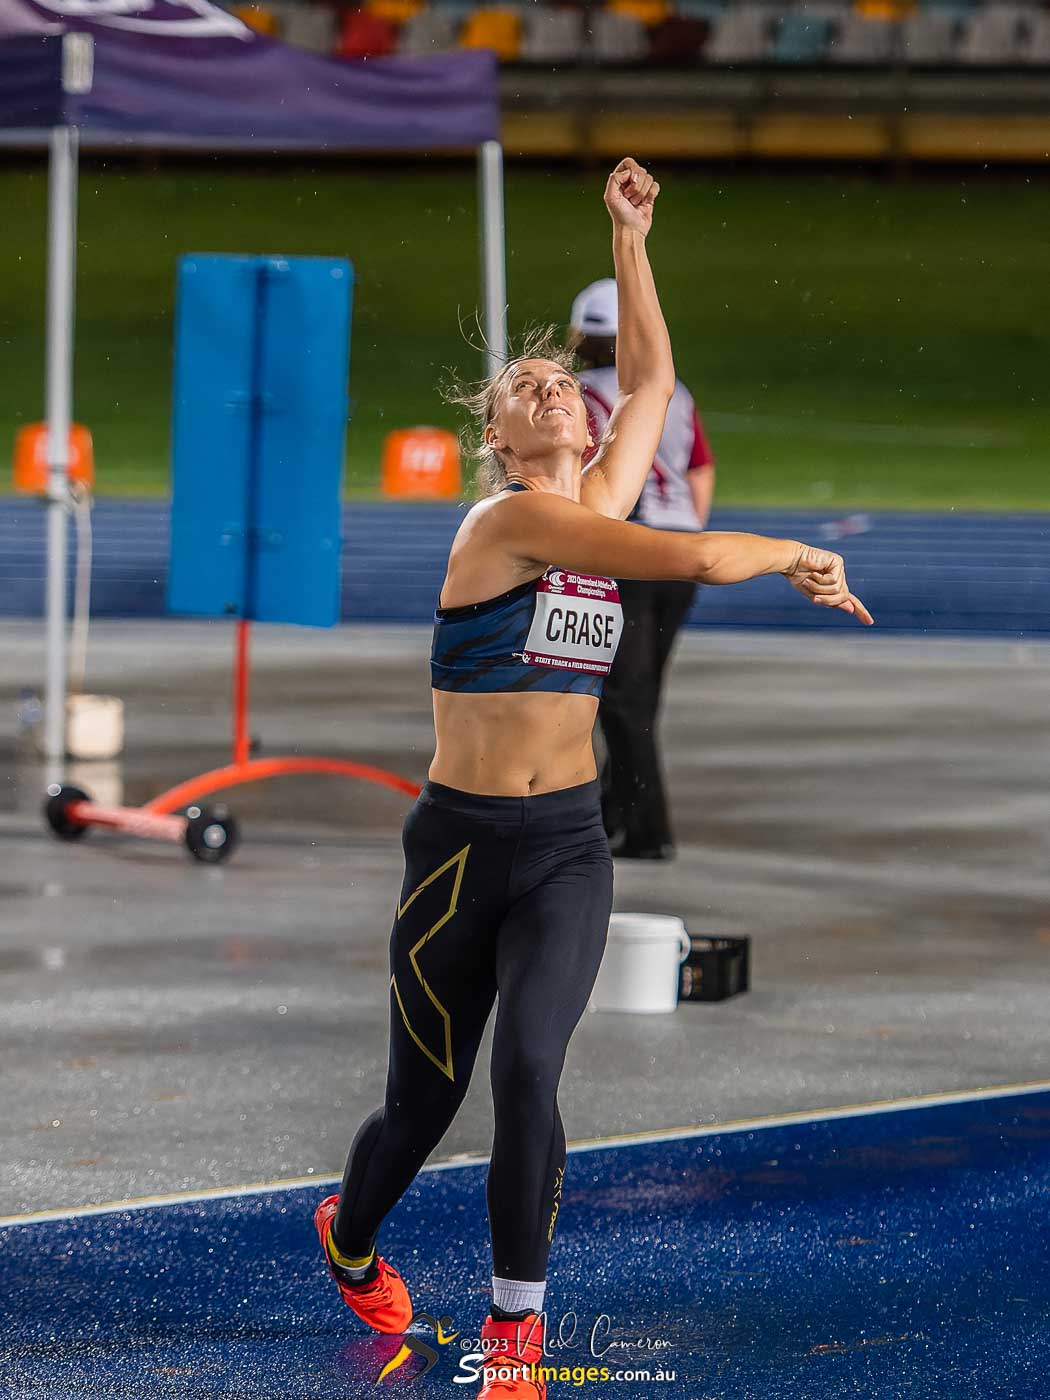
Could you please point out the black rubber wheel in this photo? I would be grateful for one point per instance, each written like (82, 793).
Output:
(212, 834)
(56, 811)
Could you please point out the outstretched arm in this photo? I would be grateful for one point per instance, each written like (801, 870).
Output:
(612, 482)
(537, 526)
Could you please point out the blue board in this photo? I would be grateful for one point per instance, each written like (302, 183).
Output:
(261, 364)
(887, 1255)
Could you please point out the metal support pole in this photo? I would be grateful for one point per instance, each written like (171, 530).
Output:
(493, 254)
(61, 271)
(241, 678)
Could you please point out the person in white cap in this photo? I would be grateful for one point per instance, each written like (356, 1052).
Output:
(676, 496)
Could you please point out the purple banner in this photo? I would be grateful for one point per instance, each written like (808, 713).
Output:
(186, 72)
(31, 81)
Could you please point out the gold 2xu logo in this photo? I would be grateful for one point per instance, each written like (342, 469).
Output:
(559, 1177)
(419, 1346)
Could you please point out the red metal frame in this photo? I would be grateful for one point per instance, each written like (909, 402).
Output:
(244, 769)
(134, 821)
(257, 769)
(241, 741)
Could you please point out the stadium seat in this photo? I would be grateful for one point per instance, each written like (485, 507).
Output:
(864, 41)
(710, 10)
(258, 17)
(650, 12)
(886, 10)
(678, 41)
(398, 12)
(744, 34)
(930, 37)
(309, 27)
(617, 38)
(963, 7)
(282, 11)
(958, 9)
(800, 39)
(364, 35)
(433, 30)
(552, 35)
(496, 29)
(1037, 50)
(995, 35)
(834, 10)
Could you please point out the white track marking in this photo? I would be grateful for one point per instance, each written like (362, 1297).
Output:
(696, 1130)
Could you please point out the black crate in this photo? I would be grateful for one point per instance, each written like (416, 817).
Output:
(716, 968)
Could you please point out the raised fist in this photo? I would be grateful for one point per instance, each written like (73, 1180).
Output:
(630, 193)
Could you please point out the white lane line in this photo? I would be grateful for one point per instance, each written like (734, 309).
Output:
(695, 1130)
(861, 1110)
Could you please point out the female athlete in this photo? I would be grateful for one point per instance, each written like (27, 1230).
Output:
(508, 878)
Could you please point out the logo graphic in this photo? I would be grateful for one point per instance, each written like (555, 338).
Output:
(558, 1180)
(184, 19)
(556, 579)
(458, 861)
(416, 1345)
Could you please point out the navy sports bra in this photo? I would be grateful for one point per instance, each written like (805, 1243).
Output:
(558, 632)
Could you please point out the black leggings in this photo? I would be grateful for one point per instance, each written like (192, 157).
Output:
(507, 895)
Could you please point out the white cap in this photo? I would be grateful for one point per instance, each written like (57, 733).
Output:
(595, 311)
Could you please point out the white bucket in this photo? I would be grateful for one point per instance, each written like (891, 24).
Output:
(95, 726)
(639, 971)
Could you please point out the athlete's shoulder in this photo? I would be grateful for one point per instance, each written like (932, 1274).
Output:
(491, 515)
(474, 521)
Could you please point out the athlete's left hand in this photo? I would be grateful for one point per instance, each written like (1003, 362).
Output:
(630, 194)
(820, 576)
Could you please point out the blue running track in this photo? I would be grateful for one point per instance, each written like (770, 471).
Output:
(957, 572)
(880, 1254)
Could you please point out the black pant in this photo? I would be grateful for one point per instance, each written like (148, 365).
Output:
(633, 798)
(507, 895)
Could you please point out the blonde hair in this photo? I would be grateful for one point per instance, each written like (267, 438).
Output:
(482, 400)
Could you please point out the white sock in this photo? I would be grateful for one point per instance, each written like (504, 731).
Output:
(515, 1295)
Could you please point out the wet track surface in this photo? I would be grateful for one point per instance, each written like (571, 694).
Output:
(871, 812)
(885, 1255)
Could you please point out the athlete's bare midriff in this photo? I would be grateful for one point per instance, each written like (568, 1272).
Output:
(501, 743)
(511, 745)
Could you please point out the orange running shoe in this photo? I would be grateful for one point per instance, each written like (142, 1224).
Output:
(384, 1304)
(511, 1350)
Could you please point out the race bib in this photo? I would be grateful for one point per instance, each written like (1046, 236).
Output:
(576, 623)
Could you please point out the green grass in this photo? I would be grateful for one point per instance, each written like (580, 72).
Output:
(851, 342)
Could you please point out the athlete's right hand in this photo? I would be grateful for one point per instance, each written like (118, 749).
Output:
(630, 193)
(820, 576)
